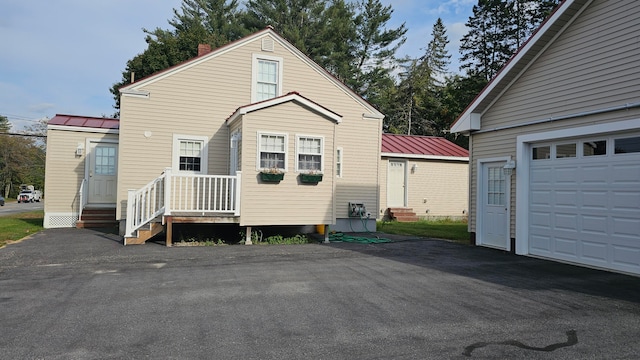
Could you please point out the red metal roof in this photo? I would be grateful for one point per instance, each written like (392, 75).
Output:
(85, 121)
(421, 145)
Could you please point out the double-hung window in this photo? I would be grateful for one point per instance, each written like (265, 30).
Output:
(267, 77)
(272, 151)
(190, 153)
(267, 85)
(309, 153)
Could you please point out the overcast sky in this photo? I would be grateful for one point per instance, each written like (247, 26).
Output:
(62, 56)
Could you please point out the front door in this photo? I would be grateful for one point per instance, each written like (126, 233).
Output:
(494, 200)
(103, 161)
(396, 184)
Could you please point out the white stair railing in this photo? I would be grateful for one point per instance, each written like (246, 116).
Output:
(145, 204)
(82, 197)
(182, 193)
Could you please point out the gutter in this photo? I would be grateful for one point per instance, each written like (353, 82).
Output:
(626, 106)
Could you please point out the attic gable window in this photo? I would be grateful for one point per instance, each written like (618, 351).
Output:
(267, 77)
(267, 86)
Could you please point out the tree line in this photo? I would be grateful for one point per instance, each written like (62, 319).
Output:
(351, 39)
(22, 158)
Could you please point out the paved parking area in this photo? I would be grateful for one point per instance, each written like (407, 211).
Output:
(80, 294)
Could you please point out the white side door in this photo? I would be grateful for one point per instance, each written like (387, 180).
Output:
(396, 184)
(493, 202)
(103, 172)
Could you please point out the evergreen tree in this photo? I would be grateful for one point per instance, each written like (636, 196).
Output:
(5, 125)
(486, 47)
(497, 29)
(213, 22)
(436, 56)
(375, 46)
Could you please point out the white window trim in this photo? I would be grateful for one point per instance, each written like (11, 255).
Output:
(236, 141)
(175, 165)
(340, 160)
(254, 74)
(286, 149)
(322, 161)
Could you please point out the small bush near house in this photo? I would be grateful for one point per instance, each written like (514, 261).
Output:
(441, 229)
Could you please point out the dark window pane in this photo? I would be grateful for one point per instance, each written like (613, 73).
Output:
(627, 145)
(591, 148)
(188, 163)
(565, 151)
(541, 152)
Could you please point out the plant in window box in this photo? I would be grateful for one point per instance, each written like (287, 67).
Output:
(311, 177)
(272, 175)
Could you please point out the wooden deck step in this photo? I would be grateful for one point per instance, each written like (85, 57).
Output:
(145, 234)
(97, 218)
(403, 214)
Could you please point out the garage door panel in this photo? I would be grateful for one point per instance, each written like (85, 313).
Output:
(594, 251)
(540, 219)
(540, 244)
(566, 175)
(595, 199)
(594, 174)
(566, 198)
(566, 246)
(625, 200)
(594, 225)
(626, 256)
(540, 176)
(626, 227)
(566, 222)
(626, 173)
(541, 197)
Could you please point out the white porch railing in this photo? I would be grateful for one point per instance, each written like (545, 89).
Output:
(183, 193)
(82, 198)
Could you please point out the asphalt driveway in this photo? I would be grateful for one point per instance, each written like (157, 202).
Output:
(80, 294)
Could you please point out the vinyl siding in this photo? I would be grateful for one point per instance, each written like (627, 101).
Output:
(65, 170)
(288, 202)
(443, 184)
(591, 66)
(197, 100)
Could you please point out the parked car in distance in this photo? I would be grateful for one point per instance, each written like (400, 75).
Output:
(1, 201)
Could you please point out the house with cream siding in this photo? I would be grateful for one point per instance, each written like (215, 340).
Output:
(423, 177)
(253, 133)
(555, 141)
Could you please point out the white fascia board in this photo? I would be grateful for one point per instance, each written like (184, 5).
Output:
(83, 129)
(283, 99)
(467, 122)
(135, 93)
(426, 157)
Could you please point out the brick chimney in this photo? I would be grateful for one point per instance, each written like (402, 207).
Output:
(204, 49)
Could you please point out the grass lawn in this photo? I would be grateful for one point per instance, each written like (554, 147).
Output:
(442, 229)
(17, 226)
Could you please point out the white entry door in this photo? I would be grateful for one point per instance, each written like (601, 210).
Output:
(396, 184)
(493, 200)
(103, 161)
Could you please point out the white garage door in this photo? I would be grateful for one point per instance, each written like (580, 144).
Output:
(584, 203)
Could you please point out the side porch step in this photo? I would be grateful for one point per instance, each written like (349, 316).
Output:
(403, 214)
(145, 234)
(97, 217)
